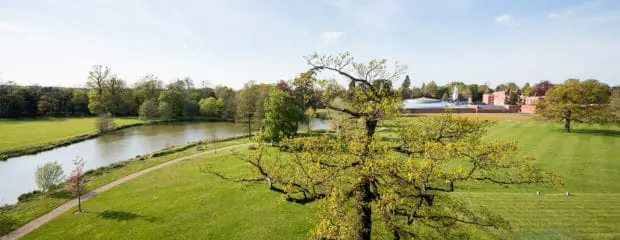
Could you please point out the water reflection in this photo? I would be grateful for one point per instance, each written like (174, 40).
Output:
(17, 174)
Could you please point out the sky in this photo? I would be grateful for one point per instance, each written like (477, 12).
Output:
(228, 42)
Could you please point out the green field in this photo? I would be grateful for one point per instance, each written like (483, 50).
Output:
(181, 202)
(23, 133)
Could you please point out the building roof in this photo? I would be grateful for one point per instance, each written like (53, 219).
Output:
(421, 100)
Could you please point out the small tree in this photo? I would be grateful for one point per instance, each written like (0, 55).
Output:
(76, 183)
(48, 175)
(281, 115)
(148, 110)
(586, 101)
(105, 123)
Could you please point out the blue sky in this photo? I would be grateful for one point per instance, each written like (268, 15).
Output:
(229, 42)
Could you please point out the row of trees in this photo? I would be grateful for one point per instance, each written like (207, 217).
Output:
(107, 93)
(473, 91)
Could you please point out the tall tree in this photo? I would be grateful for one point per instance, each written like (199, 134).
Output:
(263, 91)
(304, 95)
(404, 90)
(411, 186)
(576, 101)
(148, 88)
(98, 79)
(115, 89)
(246, 105)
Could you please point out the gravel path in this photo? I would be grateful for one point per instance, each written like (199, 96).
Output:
(34, 224)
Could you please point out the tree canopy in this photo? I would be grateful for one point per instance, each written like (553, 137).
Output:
(577, 101)
(409, 181)
(281, 115)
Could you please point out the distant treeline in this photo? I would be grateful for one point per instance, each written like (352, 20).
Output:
(150, 98)
(106, 93)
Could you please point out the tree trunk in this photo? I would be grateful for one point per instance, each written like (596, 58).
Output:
(249, 129)
(371, 126)
(79, 202)
(567, 119)
(364, 211)
(365, 195)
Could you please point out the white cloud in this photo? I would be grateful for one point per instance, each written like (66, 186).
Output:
(504, 18)
(332, 36)
(562, 14)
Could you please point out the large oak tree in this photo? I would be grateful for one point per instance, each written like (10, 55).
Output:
(409, 181)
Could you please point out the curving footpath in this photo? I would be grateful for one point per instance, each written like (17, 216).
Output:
(34, 224)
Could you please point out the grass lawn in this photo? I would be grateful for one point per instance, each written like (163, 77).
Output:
(182, 202)
(22, 133)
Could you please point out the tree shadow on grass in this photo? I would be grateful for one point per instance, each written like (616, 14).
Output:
(123, 216)
(597, 132)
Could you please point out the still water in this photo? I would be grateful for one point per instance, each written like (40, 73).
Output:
(17, 174)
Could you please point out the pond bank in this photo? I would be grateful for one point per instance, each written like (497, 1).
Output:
(37, 148)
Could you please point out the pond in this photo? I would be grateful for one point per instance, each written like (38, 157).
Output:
(17, 174)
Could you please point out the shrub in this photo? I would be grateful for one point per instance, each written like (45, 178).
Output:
(28, 196)
(148, 110)
(48, 174)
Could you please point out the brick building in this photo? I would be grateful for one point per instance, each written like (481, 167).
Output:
(495, 98)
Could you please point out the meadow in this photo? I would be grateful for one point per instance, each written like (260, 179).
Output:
(24, 133)
(181, 201)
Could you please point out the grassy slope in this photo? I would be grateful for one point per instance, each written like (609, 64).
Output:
(21, 133)
(23, 212)
(182, 202)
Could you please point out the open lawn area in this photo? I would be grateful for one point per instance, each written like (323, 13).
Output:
(22, 133)
(182, 202)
